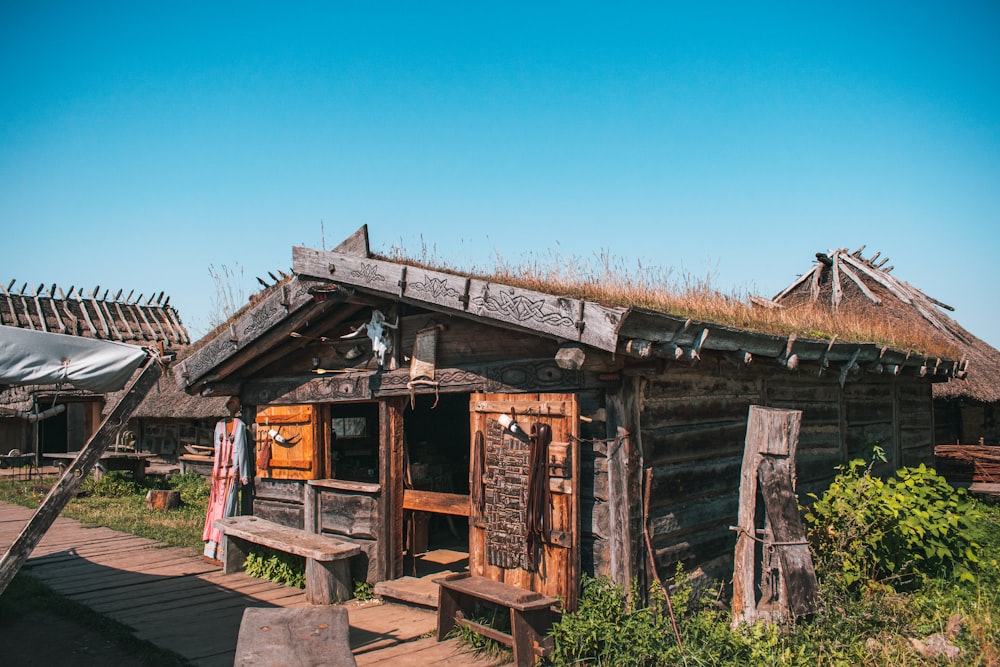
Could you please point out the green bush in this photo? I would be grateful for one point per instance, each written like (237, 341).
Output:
(193, 487)
(363, 591)
(276, 566)
(114, 484)
(893, 531)
(611, 628)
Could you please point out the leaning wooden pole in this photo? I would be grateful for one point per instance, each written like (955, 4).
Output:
(66, 487)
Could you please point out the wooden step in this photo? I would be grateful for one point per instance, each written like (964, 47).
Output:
(412, 590)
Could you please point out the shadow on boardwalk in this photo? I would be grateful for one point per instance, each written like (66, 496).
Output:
(175, 600)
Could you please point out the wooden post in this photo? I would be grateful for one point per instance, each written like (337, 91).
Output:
(625, 484)
(771, 433)
(63, 491)
(390, 502)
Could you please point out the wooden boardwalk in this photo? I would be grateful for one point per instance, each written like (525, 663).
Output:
(172, 598)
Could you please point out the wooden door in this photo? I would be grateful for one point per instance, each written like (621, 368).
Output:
(297, 452)
(499, 545)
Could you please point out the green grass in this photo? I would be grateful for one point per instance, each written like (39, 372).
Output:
(117, 503)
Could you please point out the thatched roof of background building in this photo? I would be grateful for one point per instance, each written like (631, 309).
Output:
(146, 322)
(139, 321)
(851, 285)
(166, 400)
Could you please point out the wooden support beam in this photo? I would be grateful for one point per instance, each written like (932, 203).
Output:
(121, 316)
(41, 316)
(430, 501)
(861, 285)
(10, 305)
(83, 310)
(838, 290)
(27, 313)
(110, 317)
(66, 487)
(849, 367)
(156, 321)
(804, 277)
(55, 311)
(98, 312)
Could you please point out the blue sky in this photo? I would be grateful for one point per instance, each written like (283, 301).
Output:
(143, 143)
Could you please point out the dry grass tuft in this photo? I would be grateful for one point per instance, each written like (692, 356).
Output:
(611, 281)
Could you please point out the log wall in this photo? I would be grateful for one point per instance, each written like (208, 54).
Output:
(347, 513)
(693, 433)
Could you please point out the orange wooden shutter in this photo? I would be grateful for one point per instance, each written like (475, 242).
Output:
(300, 455)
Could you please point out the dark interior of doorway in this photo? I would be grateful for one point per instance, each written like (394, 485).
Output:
(436, 458)
(52, 434)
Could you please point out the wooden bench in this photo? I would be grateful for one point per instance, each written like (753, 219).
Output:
(328, 573)
(531, 613)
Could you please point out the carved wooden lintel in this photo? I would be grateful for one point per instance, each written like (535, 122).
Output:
(542, 375)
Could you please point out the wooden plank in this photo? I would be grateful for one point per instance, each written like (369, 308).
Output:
(63, 491)
(356, 243)
(293, 540)
(526, 407)
(250, 326)
(182, 335)
(764, 425)
(351, 514)
(789, 536)
(557, 316)
(495, 592)
(55, 312)
(623, 470)
(441, 503)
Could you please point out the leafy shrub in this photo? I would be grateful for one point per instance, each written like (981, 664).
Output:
(193, 487)
(892, 531)
(114, 484)
(363, 591)
(276, 566)
(610, 628)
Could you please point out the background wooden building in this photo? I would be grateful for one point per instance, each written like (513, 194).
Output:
(389, 384)
(165, 419)
(847, 283)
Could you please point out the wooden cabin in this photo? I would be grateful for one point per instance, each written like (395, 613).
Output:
(391, 388)
(965, 412)
(50, 419)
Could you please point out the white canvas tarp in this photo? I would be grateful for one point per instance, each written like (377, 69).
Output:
(39, 357)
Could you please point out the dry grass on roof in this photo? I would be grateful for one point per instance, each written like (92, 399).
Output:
(612, 282)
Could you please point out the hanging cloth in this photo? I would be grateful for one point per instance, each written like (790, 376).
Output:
(231, 468)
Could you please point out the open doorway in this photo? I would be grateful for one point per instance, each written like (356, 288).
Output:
(436, 479)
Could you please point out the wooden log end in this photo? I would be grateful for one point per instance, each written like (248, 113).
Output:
(161, 500)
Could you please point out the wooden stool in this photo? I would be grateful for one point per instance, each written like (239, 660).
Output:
(298, 636)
